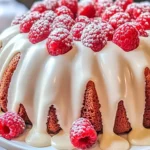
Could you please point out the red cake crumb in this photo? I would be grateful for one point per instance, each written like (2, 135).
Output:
(11, 125)
(82, 134)
(122, 124)
(91, 107)
(52, 123)
(146, 116)
(59, 42)
(94, 37)
(122, 37)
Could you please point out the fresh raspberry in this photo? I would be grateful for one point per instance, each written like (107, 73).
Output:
(110, 11)
(118, 19)
(135, 9)
(83, 19)
(87, 8)
(123, 3)
(82, 134)
(18, 19)
(63, 21)
(94, 37)
(39, 6)
(140, 29)
(77, 30)
(97, 20)
(11, 125)
(59, 42)
(48, 15)
(51, 4)
(28, 21)
(108, 29)
(144, 20)
(64, 10)
(126, 37)
(71, 4)
(101, 6)
(39, 31)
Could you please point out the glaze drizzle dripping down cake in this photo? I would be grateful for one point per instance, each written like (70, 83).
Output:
(57, 65)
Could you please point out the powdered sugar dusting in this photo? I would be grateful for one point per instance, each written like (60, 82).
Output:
(59, 42)
(94, 37)
(39, 6)
(39, 31)
(18, 19)
(28, 21)
(64, 10)
(118, 19)
(139, 28)
(48, 15)
(77, 30)
(51, 4)
(108, 29)
(110, 11)
(83, 19)
(63, 21)
(144, 20)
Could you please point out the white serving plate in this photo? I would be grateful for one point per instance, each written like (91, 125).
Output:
(18, 145)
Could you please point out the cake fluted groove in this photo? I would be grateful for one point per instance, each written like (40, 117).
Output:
(122, 124)
(146, 117)
(52, 123)
(91, 107)
(5, 81)
(23, 114)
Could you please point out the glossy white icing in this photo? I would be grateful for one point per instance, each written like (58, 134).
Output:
(41, 80)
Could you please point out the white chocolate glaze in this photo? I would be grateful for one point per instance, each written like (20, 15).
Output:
(41, 80)
(63, 139)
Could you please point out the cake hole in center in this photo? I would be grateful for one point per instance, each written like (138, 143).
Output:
(6, 130)
(84, 140)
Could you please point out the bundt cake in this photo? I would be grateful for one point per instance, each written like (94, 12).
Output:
(65, 60)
